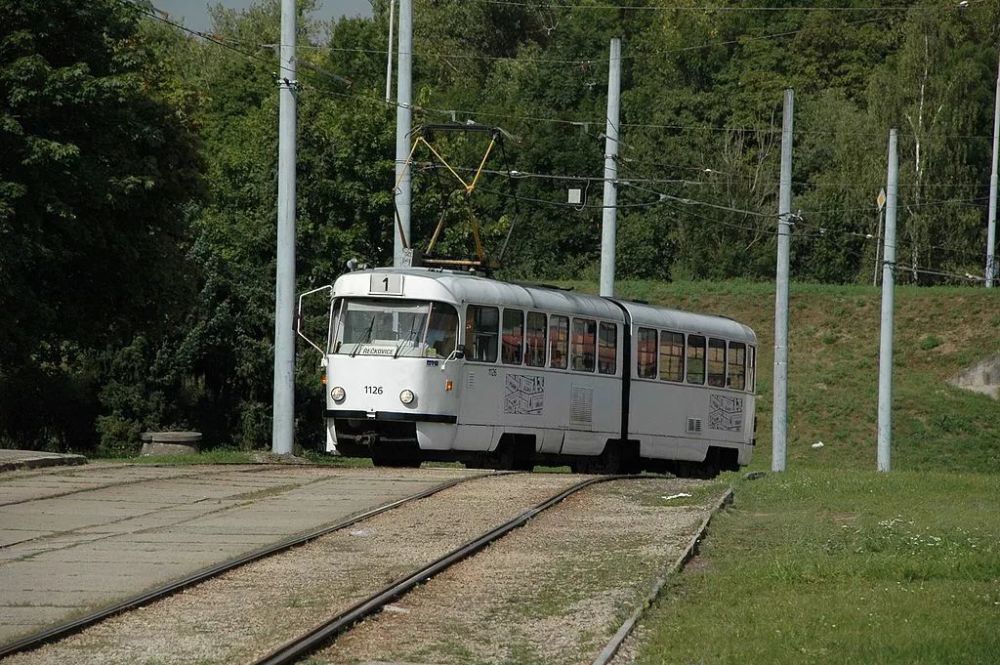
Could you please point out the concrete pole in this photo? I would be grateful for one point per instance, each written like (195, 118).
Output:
(991, 235)
(404, 118)
(388, 51)
(283, 418)
(609, 226)
(780, 408)
(888, 285)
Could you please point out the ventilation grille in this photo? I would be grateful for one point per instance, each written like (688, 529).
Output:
(694, 426)
(581, 406)
(470, 380)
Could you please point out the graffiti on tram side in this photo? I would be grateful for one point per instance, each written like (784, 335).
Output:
(725, 413)
(525, 395)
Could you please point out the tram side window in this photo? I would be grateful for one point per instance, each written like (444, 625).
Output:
(558, 341)
(737, 365)
(716, 362)
(607, 348)
(512, 339)
(481, 328)
(534, 340)
(442, 330)
(584, 347)
(646, 356)
(696, 359)
(671, 356)
(752, 368)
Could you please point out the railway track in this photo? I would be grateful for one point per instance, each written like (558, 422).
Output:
(332, 585)
(68, 628)
(306, 643)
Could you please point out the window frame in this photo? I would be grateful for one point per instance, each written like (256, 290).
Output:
(573, 353)
(528, 336)
(504, 331)
(720, 379)
(471, 345)
(742, 365)
(643, 371)
(688, 365)
(554, 320)
(601, 327)
(682, 356)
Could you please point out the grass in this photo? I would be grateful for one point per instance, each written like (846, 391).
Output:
(829, 561)
(833, 369)
(211, 456)
(840, 566)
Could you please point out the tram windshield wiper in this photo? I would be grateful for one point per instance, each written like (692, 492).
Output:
(368, 336)
(409, 337)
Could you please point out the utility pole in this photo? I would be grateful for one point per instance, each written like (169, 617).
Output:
(609, 226)
(991, 235)
(888, 285)
(388, 51)
(283, 416)
(404, 118)
(780, 417)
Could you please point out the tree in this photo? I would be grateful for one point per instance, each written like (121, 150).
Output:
(95, 172)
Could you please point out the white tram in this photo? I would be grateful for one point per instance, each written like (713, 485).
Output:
(425, 364)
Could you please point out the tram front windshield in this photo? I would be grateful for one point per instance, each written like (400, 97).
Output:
(377, 326)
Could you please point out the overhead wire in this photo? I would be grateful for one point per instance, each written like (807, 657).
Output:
(742, 39)
(708, 9)
(224, 42)
(667, 200)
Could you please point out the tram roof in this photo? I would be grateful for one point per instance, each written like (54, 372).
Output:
(681, 321)
(460, 288)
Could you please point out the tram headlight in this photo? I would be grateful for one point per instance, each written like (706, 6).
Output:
(338, 394)
(407, 397)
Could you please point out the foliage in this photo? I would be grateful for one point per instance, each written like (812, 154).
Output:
(138, 174)
(95, 171)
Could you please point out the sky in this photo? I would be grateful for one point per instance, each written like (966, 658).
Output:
(194, 13)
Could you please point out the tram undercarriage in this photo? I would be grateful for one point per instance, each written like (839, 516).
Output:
(394, 444)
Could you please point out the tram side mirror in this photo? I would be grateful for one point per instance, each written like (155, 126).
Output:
(457, 354)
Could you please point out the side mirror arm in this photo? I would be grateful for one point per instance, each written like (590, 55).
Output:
(457, 354)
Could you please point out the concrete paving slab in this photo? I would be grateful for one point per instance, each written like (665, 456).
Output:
(20, 486)
(100, 545)
(33, 459)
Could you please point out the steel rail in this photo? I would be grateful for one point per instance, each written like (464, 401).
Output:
(62, 630)
(306, 643)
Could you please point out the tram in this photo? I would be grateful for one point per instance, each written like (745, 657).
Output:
(433, 364)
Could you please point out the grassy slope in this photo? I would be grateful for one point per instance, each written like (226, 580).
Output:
(833, 369)
(831, 562)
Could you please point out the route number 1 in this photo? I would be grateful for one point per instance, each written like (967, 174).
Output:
(386, 284)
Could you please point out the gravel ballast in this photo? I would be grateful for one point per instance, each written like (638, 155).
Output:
(248, 611)
(553, 592)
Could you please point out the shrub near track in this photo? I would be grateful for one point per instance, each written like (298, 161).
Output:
(840, 566)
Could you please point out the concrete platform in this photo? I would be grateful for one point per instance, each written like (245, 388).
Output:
(11, 460)
(77, 539)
